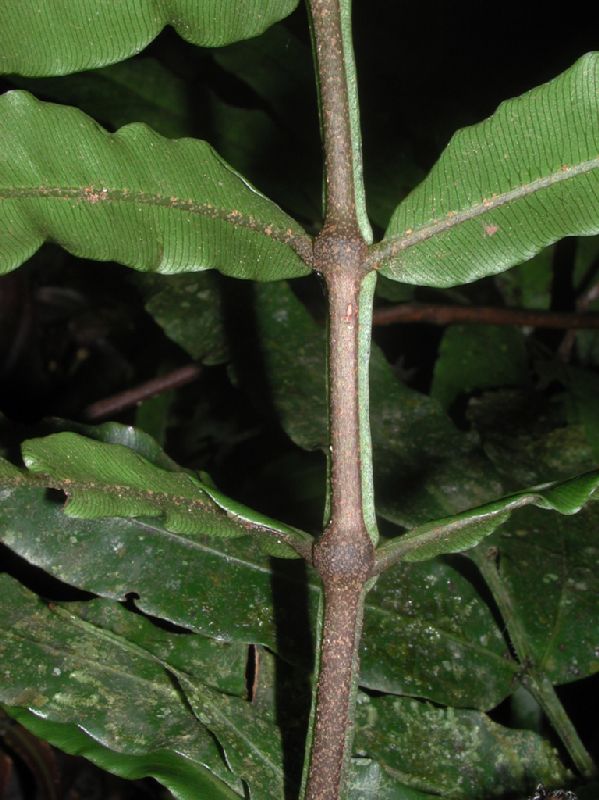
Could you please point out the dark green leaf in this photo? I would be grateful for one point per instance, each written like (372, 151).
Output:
(225, 589)
(133, 197)
(181, 776)
(503, 189)
(584, 390)
(189, 309)
(527, 437)
(529, 285)
(54, 38)
(453, 753)
(68, 671)
(549, 567)
(478, 357)
(140, 90)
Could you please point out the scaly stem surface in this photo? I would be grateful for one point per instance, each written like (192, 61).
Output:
(344, 554)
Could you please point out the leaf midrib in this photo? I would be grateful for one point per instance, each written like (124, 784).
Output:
(164, 501)
(392, 246)
(301, 244)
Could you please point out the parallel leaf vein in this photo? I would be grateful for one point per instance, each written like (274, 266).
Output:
(301, 244)
(391, 247)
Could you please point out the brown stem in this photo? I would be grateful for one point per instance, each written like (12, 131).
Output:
(344, 555)
(342, 626)
(131, 397)
(335, 114)
(483, 315)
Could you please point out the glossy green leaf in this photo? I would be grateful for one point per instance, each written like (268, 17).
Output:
(67, 671)
(220, 665)
(127, 436)
(427, 633)
(504, 188)
(134, 197)
(110, 480)
(226, 589)
(453, 753)
(463, 531)
(251, 744)
(54, 38)
(548, 565)
(180, 775)
(475, 357)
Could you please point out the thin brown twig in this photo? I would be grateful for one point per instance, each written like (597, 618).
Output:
(121, 401)
(483, 315)
(584, 301)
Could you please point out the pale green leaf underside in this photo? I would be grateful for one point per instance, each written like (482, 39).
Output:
(133, 197)
(505, 188)
(463, 531)
(110, 480)
(54, 37)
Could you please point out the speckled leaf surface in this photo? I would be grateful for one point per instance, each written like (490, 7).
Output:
(134, 197)
(54, 37)
(224, 589)
(367, 780)
(550, 567)
(427, 633)
(529, 437)
(220, 665)
(111, 480)
(453, 753)
(69, 671)
(417, 449)
(503, 189)
(251, 744)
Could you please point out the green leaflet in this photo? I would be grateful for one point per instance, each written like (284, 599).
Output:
(54, 37)
(478, 357)
(111, 480)
(133, 197)
(180, 775)
(550, 573)
(227, 589)
(453, 753)
(503, 189)
(465, 530)
(189, 309)
(69, 671)
(144, 90)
